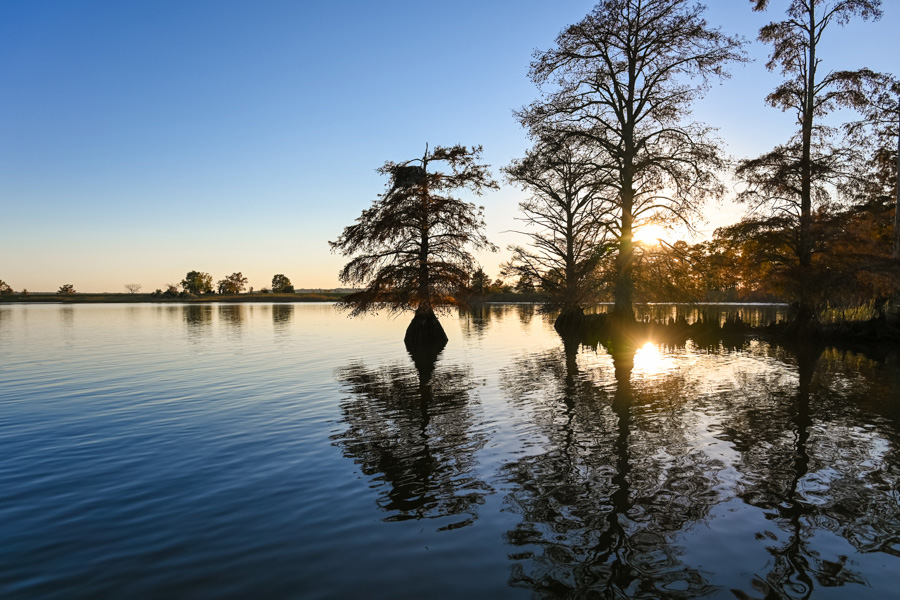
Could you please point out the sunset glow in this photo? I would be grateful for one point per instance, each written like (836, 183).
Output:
(648, 360)
(650, 235)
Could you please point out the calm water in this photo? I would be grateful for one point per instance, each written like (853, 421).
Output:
(151, 451)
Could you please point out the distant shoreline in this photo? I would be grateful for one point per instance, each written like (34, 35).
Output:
(154, 299)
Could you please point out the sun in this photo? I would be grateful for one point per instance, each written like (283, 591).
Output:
(649, 235)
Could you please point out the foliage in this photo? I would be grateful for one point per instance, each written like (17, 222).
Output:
(480, 283)
(66, 289)
(5, 289)
(525, 284)
(792, 183)
(410, 247)
(282, 285)
(877, 97)
(133, 288)
(623, 79)
(852, 264)
(196, 282)
(233, 284)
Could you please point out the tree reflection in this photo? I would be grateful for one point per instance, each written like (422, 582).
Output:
(601, 507)
(414, 429)
(526, 312)
(816, 474)
(282, 315)
(232, 315)
(476, 318)
(197, 316)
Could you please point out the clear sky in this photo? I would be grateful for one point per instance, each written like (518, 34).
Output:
(143, 139)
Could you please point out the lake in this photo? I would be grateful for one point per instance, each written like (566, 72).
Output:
(286, 451)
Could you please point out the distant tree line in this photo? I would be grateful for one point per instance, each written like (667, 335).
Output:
(197, 283)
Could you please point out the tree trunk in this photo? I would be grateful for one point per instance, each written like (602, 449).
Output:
(623, 311)
(806, 312)
(425, 330)
(897, 202)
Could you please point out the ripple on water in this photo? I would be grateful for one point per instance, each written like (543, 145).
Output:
(285, 450)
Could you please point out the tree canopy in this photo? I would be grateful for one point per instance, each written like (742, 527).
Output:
(282, 285)
(196, 282)
(233, 284)
(411, 248)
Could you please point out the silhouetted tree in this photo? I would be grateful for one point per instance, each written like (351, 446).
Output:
(792, 177)
(196, 282)
(480, 282)
(133, 288)
(877, 97)
(233, 284)
(410, 247)
(66, 289)
(624, 78)
(565, 217)
(5, 290)
(282, 285)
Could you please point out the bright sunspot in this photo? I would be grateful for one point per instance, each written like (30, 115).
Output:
(650, 234)
(648, 360)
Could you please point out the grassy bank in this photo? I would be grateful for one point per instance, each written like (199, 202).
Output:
(143, 298)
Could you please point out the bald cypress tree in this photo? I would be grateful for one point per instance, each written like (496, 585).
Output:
(411, 248)
(796, 176)
(565, 227)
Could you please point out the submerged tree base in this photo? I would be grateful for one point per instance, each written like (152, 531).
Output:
(569, 322)
(425, 331)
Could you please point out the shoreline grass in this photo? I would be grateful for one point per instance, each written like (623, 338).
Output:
(116, 298)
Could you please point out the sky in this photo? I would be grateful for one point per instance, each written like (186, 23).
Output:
(141, 140)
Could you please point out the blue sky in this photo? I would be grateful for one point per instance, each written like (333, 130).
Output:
(140, 140)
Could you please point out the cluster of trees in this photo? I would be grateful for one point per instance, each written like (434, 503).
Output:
(198, 283)
(195, 282)
(615, 149)
(6, 290)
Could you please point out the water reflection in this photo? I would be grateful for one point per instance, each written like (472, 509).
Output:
(197, 316)
(258, 468)
(476, 319)
(755, 315)
(282, 314)
(818, 476)
(415, 429)
(526, 312)
(639, 465)
(601, 505)
(233, 315)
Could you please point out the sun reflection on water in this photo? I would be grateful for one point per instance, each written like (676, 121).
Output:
(648, 360)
